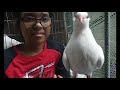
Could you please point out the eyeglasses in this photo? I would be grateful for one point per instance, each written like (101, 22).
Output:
(30, 21)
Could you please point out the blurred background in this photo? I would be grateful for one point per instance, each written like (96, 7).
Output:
(102, 24)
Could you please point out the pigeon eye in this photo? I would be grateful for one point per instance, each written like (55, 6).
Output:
(87, 16)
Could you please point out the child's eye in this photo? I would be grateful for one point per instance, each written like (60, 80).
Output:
(28, 19)
(45, 19)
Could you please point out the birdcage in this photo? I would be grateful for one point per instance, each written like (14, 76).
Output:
(102, 24)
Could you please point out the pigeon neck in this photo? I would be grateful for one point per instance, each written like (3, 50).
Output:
(79, 31)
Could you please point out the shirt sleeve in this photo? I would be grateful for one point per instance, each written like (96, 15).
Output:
(60, 69)
(9, 55)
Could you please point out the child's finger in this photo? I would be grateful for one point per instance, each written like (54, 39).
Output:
(55, 76)
(59, 76)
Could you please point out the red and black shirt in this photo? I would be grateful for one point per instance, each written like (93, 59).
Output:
(43, 65)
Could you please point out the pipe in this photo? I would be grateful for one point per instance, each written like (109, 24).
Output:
(107, 43)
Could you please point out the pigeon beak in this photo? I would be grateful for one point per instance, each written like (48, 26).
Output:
(80, 18)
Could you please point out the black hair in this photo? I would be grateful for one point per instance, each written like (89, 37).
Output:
(17, 14)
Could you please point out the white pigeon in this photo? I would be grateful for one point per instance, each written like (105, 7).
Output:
(9, 42)
(82, 55)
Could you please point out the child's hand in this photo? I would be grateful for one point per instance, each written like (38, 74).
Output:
(57, 76)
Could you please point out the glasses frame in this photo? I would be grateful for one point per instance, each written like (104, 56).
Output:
(36, 21)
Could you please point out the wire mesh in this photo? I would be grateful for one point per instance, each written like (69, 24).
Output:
(58, 29)
(112, 37)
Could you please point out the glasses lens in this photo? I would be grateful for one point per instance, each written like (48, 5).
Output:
(46, 23)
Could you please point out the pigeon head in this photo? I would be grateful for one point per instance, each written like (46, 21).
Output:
(81, 14)
(82, 19)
